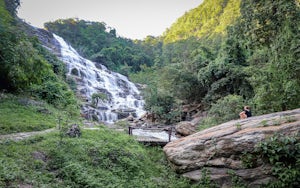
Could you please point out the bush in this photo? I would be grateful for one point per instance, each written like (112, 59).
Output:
(283, 154)
(162, 105)
(55, 92)
(225, 109)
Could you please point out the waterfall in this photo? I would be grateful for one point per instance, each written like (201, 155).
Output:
(121, 96)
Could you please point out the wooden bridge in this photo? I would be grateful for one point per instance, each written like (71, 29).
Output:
(152, 141)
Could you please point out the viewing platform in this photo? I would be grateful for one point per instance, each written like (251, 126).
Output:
(154, 136)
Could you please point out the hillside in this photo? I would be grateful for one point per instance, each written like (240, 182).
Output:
(208, 19)
(255, 63)
(99, 158)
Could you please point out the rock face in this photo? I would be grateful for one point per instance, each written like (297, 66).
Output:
(219, 148)
(45, 37)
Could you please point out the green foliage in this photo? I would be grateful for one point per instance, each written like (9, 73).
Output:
(207, 20)
(162, 105)
(22, 114)
(145, 76)
(238, 126)
(236, 181)
(258, 58)
(282, 67)
(268, 32)
(182, 60)
(98, 96)
(21, 66)
(225, 109)
(248, 160)
(261, 21)
(58, 67)
(9, 171)
(27, 67)
(100, 158)
(55, 92)
(283, 154)
(72, 83)
(205, 181)
(225, 74)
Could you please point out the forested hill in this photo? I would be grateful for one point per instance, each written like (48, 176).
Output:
(256, 62)
(211, 17)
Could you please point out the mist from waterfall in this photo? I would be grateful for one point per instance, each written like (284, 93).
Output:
(121, 95)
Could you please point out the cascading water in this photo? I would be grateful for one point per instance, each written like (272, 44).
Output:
(121, 96)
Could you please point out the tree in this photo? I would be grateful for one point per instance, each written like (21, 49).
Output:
(279, 87)
(98, 96)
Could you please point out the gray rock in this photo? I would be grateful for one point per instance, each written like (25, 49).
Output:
(74, 131)
(185, 128)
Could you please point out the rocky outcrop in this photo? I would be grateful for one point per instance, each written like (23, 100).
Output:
(185, 128)
(45, 37)
(219, 148)
(74, 131)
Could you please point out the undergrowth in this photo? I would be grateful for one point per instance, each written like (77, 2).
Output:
(283, 154)
(99, 158)
(23, 114)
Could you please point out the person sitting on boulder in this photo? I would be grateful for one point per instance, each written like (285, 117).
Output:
(246, 112)
(243, 115)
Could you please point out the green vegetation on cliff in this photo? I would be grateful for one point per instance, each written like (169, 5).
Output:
(207, 20)
(27, 68)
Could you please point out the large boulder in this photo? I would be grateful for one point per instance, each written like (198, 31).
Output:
(185, 128)
(219, 149)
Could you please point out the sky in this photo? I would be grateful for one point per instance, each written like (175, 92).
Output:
(134, 19)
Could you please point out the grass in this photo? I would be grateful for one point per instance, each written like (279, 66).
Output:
(238, 126)
(21, 114)
(100, 158)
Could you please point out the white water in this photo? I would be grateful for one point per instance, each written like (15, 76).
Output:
(122, 94)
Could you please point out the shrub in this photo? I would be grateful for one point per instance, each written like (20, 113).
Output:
(283, 154)
(54, 92)
(225, 109)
